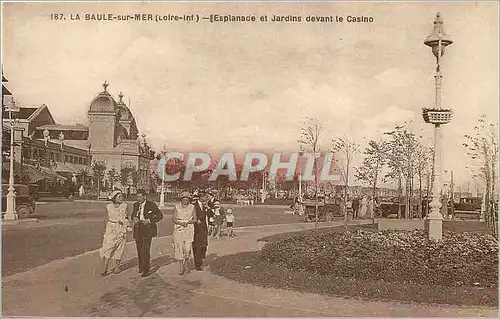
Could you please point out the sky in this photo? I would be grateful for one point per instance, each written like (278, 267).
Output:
(240, 86)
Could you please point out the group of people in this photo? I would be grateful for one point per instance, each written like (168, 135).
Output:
(365, 207)
(194, 218)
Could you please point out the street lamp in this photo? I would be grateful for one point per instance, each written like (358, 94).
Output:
(164, 161)
(11, 214)
(438, 41)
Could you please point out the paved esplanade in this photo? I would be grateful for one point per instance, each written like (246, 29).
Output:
(73, 287)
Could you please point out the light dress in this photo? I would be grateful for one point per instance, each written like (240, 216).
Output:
(183, 235)
(363, 208)
(369, 210)
(115, 236)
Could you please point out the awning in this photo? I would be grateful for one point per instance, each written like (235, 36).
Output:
(50, 174)
(34, 175)
(64, 168)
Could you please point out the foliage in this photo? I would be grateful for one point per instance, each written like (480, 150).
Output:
(112, 177)
(345, 150)
(374, 161)
(84, 176)
(310, 141)
(129, 175)
(402, 161)
(402, 256)
(99, 167)
(482, 147)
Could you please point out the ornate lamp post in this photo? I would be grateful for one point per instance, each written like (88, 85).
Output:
(10, 213)
(438, 41)
(163, 167)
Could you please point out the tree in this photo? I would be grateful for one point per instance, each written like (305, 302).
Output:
(373, 163)
(424, 163)
(98, 167)
(112, 177)
(402, 160)
(309, 140)
(482, 147)
(345, 151)
(84, 175)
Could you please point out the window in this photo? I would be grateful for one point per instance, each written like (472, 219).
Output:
(66, 158)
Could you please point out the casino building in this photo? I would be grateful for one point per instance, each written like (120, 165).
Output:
(48, 153)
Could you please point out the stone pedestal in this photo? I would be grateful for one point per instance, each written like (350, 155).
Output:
(434, 226)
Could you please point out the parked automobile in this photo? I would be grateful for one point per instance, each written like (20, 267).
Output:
(25, 201)
(468, 208)
(326, 209)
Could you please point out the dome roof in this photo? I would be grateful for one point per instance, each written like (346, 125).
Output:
(103, 102)
(123, 110)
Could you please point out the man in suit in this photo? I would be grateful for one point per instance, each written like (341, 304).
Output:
(145, 215)
(200, 240)
(355, 207)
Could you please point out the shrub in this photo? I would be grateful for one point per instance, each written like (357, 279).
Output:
(402, 256)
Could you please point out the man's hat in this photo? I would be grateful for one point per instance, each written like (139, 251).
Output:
(217, 203)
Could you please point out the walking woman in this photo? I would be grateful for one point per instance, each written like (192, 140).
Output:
(183, 219)
(117, 225)
(363, 208)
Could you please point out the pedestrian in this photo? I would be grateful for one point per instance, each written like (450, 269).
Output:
(145, 216)
(115, 235)
(218, 217)
(81, 191)
(355, 207)
(363, 208)
(200, 240)
(230, 221)
(184, 220)
(370, 208)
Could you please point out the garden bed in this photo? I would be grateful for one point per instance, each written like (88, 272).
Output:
(387, 265)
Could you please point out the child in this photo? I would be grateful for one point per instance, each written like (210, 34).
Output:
(230, 221)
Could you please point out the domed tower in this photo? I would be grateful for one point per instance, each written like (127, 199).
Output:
(103, 118)
(127, 120)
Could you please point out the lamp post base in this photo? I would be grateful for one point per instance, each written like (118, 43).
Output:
(434, 226)
(10, 213)
(162, 200)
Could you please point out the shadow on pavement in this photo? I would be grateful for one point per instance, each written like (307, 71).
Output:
(156, 263)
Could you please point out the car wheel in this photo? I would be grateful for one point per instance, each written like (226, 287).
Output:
(23, 211)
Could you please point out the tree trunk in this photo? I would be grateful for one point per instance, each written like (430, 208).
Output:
(98, 187)
(346, 217)
(420, 212)
(400, 190)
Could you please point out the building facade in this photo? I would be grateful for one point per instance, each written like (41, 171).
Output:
(114, 140)
(47, 152)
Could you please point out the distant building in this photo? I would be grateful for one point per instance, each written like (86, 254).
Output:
(66, 152)
(114, 139)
